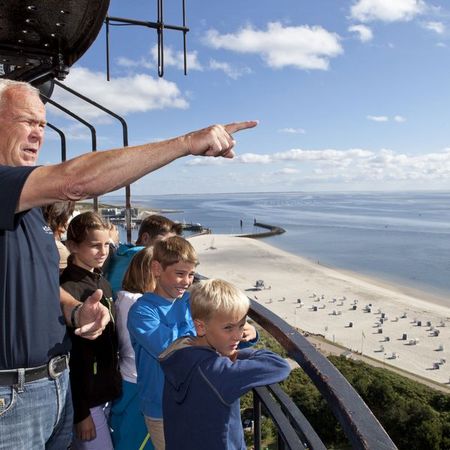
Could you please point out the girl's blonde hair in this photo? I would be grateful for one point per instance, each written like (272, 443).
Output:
(139, 278)
(217, 296)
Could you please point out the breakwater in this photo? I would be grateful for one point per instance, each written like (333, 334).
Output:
(272, 231)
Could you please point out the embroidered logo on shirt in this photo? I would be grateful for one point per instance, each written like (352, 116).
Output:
(47, 229)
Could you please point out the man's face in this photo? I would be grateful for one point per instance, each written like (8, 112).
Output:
(22, 123)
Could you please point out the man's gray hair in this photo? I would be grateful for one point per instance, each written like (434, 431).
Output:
(6, 84)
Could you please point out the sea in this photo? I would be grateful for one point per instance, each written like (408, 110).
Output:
(402, 238)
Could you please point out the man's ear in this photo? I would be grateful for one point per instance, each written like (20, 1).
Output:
(156, 268)
(200, 327)
(144, 239)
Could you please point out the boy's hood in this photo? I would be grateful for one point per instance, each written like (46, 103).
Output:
(179, 362)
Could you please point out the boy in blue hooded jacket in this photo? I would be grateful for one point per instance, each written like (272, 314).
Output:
(206, 375)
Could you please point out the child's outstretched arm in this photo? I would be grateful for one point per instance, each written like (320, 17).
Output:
(146, 328)
(252, 368)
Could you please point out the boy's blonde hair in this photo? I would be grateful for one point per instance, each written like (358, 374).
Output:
(214, 296)
(139, 278)
(173, 250)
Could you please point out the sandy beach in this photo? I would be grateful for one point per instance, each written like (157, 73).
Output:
(403, 330)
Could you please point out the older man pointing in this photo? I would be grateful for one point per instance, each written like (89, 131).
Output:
(35, 404)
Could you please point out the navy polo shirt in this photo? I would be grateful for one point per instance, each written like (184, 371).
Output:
(32, 327)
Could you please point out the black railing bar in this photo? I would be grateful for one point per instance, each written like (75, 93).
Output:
(84, 122)
(284, 427)
(63, 140)
(39, 76)
(99, 106)
(160, 31)
(147, 24)
(373, 434)
(107, 49)
(256, 422)
(298, 420)
(76, 117)
(125, 144)
(361, 427)
(184, 37)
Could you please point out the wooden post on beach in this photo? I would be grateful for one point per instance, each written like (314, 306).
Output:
(362, 341)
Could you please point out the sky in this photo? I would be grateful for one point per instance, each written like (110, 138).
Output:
(350, 95)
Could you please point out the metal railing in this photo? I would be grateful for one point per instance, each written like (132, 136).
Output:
(360, 426)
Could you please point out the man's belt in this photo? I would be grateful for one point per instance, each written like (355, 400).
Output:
(53, 369)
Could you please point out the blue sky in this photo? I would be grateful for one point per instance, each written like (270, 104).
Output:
(350, 95)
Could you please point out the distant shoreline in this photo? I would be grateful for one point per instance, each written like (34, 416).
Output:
(438, 298)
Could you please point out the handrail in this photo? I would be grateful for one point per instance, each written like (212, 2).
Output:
(84, 122)
(62, 136)
(286, 431)
(300, 423)
(359, 424)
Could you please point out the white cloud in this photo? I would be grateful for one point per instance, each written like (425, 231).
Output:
(292, 130)
(123, 61)
(364, 33)
(397, 118)
(251, 158)
(125, 95)
(378, 118)
(387, 10)
(287, 171)
(176, 58)
(171, 58)
(77, 132)
(302, 47)
(326, 155)
(437, 27)
(208, 161)
(229, 70)
(353, 165)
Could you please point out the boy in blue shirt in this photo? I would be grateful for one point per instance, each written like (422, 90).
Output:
(205, 376)
(156, 320)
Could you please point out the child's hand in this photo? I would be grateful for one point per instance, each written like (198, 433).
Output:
(85, 430)
(249, 333)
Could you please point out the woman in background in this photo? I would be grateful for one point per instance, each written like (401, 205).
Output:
(127, 420)
(58, 215)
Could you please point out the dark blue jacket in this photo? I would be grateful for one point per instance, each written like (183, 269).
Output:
(201, 407)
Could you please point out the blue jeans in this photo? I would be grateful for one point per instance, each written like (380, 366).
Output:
(37, 415)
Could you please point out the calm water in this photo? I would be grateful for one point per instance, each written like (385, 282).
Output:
(399, 237)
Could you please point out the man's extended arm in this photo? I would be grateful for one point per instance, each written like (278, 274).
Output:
(94, 174)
